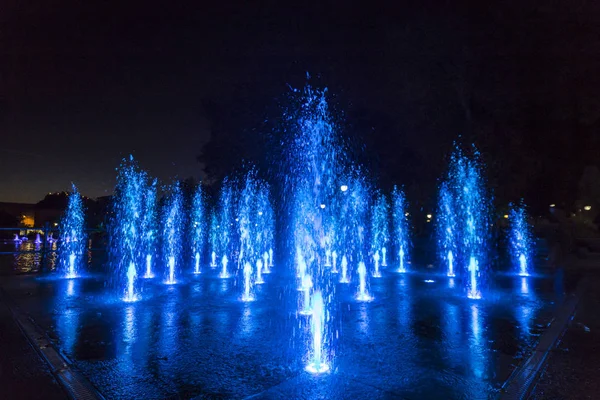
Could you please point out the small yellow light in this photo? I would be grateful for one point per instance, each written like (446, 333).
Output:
(428, 216)
(428, 220)
(587, 208)
(552, 205)
(406, 214)
(505, 216)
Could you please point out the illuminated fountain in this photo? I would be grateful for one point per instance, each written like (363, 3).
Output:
(314, 167)
(72, 247)
(214, 239)
(447, 229)
(307, 286)
(149, 230)
(400, 222)
(521, 239)
(259, 267)
(317, 363)
(247, 295)
(473, 290)
(131, 275)
(362, 295)
(344, 278)
(334, 257)
(224, 273)
(223, 227)
(384, 257)
(197, 227)
(172, 234)
(264, 225)
(465, 215)
(131, 228)
(38, 239)
(379, 232)
(266, 263)
(249, 233)
(376, 273)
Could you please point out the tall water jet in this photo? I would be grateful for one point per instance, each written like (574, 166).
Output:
(314, 167)
(226, 220)
(259, 267)
(149, 230)
(250, 234)
(264, 224)
(131, 228)
(470, 205)
(521, 239)
(401, 233)
(131, 275)
(224, 273)
(266, 263)
(376, 272)
(379, 232)
(318, 363)
(362, 295)
(307, 286)
(73, 245)
(334, 257)
(172, 234)
(214, 239)
(247, 295)
(473, 290)
(384, 256)
(271, 255)
(344, 278)
(197, 227)
(447, 228)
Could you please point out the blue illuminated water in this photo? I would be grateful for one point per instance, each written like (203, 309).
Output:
(380, 234)
(521, 239)
(173, 233)
(73, 240)
(464, 221)
(149, 227)
(198, 228)
(447, 229)
(401, 229)
(132, 228)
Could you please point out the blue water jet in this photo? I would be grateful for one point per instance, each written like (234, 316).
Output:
(72, 247)
(247, 285)
(318, 363)
(131, 228)
(149, 229)
(401, 230)
(447, 229)
(173, 230)
(197, 227)
(379, 232)
(521, 239)
(465, 191)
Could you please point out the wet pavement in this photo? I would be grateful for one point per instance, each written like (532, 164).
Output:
(196, 339)
(572, 369)
(23, 373)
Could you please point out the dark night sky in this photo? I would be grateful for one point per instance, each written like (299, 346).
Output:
(85, 83)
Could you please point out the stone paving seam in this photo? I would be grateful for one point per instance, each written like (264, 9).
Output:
(76, 385)
(522, 381)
